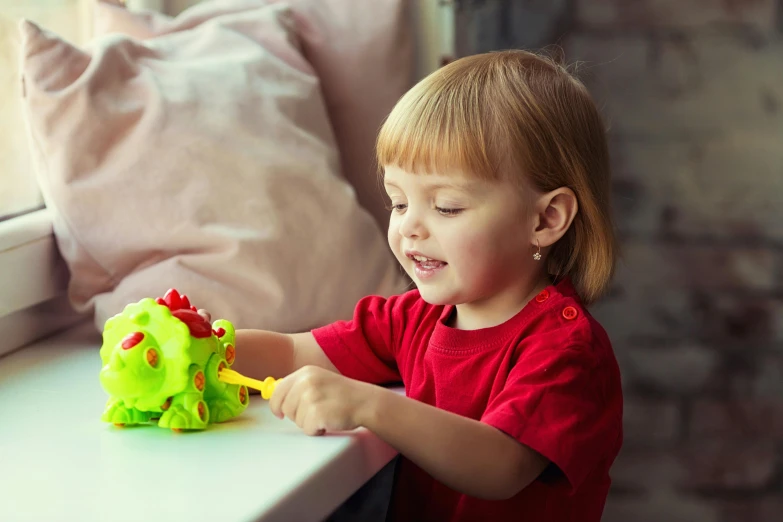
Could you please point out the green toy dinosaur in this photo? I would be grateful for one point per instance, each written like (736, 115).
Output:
(161, 360)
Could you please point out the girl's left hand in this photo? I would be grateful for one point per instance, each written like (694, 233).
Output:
(319, 400)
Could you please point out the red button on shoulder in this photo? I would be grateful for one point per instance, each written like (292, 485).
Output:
(543, 296)
(570, 313)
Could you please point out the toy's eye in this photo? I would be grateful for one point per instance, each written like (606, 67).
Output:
(132, 340)
(152, 357)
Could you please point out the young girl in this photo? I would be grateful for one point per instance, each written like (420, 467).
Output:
(498, 174)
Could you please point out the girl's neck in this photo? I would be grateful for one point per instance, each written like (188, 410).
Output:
(497, 309)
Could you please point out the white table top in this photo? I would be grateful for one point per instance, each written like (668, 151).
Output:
(59, 461)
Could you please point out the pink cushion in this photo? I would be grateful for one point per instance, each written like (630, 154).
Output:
(202, 160)
(361, 50)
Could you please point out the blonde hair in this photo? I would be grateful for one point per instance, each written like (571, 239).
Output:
(500, 114)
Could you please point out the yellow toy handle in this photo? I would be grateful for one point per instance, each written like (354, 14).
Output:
(266, 387)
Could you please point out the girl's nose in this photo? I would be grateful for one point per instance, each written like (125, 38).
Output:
(411, 225)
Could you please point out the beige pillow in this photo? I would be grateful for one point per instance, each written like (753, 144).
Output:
(201, 160)
(361, 50)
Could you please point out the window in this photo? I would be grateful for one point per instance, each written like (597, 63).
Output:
(32, 275)
(71, 20)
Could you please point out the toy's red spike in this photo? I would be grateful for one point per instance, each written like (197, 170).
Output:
(160, 301)
(196, 324)
(172, 299)
(185, 302)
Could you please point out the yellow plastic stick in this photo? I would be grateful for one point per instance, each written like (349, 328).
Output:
(266, 387)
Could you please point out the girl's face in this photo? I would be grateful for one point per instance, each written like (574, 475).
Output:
(463, 241)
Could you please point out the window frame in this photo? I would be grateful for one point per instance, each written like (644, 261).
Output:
(33, 279)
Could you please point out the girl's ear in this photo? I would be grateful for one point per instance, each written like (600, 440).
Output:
(555, 211)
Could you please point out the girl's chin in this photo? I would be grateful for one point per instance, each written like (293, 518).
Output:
(435, 296)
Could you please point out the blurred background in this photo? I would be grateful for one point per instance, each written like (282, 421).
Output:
(692, 91)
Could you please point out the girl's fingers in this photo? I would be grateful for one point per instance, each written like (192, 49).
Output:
(279, 395)
(300, 415)
(310, 424)
(291, 402)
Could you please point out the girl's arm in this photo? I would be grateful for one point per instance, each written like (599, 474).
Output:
(469, 456)
(261, 353)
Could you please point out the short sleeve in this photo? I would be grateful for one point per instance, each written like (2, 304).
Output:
(363, 347)
(561, 403)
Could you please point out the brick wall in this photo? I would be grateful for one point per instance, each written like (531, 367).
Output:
(693, 93)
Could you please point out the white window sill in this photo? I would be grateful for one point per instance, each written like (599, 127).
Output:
(33, 281)
(31, 270)
(24, 229)
(61, 462)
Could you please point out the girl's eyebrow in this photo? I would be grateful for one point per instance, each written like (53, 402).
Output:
(464, 187)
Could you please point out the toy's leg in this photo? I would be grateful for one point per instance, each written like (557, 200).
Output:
(188, 410)
(120, 415)
(233, 402)
(225, 400)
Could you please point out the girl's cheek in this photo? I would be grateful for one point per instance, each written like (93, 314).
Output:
(392, 234)
(466, 248)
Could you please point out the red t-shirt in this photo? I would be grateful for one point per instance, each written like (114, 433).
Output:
(546, 377)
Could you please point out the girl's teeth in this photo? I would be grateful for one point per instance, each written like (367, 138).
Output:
(427, 262)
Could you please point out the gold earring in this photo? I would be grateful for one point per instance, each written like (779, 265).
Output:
(537, 255)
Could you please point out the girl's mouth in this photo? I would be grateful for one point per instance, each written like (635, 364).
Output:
(426, 267)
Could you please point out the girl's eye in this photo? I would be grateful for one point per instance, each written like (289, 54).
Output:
(399, 207)
(449, 211)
